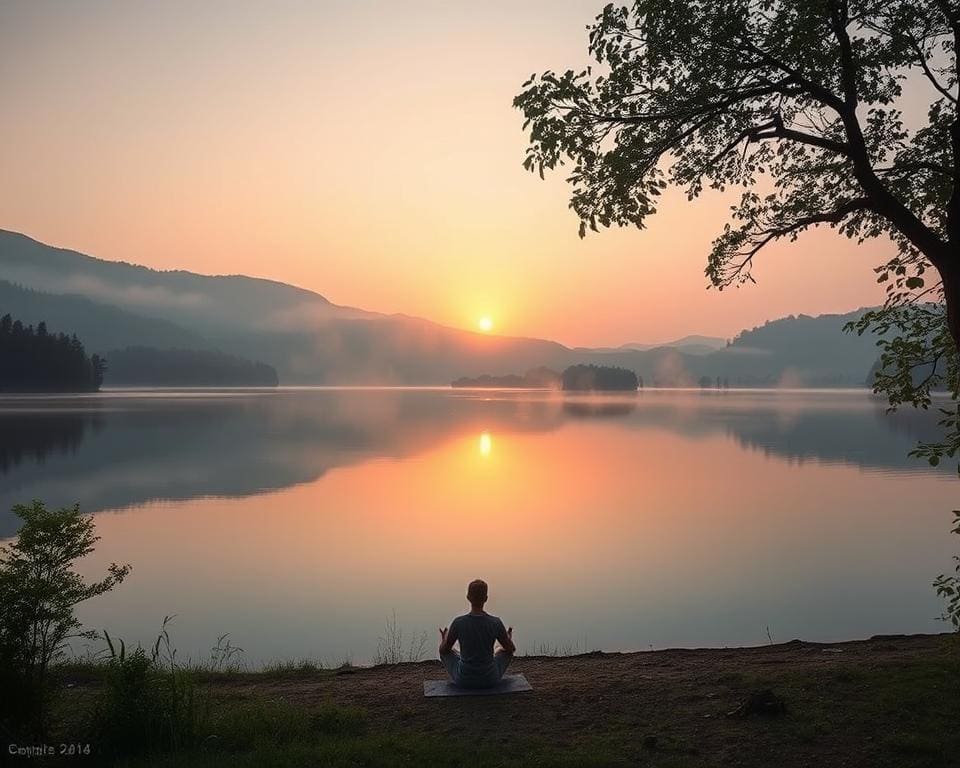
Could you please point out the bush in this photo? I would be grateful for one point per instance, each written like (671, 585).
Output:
(151, 704)
(128, 719)
(38, 593)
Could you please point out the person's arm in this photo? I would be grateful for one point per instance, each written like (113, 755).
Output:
(505, 639)
(447, 638)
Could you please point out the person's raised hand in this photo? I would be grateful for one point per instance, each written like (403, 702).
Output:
(443, 633)
(510, 632)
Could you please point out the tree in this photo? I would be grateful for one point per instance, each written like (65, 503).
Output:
(799, 103)
(99, 367)
(38, 593)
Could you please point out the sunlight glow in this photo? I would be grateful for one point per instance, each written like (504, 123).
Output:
(486, 324)
(486, 444)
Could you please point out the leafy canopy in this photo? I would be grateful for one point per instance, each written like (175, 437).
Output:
(798, 103)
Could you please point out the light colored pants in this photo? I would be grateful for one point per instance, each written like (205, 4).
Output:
(454, 666)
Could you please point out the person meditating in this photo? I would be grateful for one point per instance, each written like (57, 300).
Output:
(476, 666)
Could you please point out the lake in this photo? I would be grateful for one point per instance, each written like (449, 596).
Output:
(299, 520)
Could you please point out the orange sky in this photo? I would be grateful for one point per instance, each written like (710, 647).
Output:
(365, 150)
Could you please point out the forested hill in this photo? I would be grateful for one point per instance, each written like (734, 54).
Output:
(139, 350)
(799, 351)
(100, 326)
(149, 367)
(35, 360)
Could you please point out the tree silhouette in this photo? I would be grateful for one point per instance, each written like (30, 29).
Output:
(598, 377)
(806, 95)
(34, 360)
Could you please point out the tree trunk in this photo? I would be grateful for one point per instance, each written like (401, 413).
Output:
(951, 297)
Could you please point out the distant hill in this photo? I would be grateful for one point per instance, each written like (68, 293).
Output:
(207, 305)
(691, 345)
(798, 351)
(309, 340)
(99, 326)
(140, 351)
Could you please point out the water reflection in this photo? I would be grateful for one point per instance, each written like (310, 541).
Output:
(118, 451)
(33, 437)
(486, 444)
(665, 518)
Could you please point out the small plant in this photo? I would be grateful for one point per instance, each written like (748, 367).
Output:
(559, 650)
(38, 593)
(129, 712)
(390, 646)
(182, 708)
(151, 703)
(948, 586)
(224, 656)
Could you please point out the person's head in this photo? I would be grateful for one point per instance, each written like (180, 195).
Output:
(477, 593)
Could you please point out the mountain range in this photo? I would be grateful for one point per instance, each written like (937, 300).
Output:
(310, 340)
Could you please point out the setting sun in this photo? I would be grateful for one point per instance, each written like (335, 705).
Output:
(486, 324)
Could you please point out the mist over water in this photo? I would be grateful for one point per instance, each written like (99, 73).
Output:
(297, 520)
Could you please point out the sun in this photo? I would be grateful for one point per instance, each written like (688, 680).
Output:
(485, 323)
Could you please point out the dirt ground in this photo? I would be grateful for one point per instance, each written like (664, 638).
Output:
(847, 704)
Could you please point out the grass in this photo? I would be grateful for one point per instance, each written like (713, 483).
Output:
(911, 711)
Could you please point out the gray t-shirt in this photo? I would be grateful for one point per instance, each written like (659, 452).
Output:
(477, 633)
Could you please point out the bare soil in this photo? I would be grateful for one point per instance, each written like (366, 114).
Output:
(884, 701)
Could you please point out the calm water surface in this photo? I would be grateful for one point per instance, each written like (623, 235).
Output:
(299, 520)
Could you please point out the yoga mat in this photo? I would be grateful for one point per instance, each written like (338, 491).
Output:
(509, 684)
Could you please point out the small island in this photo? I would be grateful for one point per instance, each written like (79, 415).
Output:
(575, 378)
(599, 378)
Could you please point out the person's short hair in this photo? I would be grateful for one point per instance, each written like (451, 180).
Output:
(477, 591)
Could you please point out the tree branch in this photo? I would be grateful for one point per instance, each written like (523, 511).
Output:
(835, 216)
(928, 72)
(848, 76)
(779, 131)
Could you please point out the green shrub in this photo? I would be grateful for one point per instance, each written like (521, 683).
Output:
(129, 715)
(38, 593)
(151, 704)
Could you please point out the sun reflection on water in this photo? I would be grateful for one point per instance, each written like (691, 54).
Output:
(486, 444)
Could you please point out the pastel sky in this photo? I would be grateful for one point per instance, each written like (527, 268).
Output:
(365, 150)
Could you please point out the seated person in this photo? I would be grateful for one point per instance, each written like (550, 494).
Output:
(476, 666)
